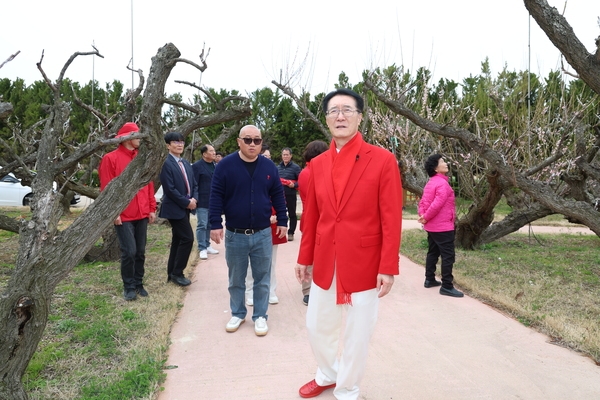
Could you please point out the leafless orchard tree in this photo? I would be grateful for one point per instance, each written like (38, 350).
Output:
(46, 254)
(557, 182)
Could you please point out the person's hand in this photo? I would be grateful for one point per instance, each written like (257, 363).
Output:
(192, 205)
(273, 219)
(216, 235)
(421, 220)
(281, 231)
(302, 274)
(152, 217)
(291, 185)
(384, 284)
(118, 221)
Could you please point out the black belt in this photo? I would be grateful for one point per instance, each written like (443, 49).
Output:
(247, 232)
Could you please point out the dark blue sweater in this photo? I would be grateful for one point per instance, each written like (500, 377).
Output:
(203, 172)
(246, 201)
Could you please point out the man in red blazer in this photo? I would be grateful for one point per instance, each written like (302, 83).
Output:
(351, 227)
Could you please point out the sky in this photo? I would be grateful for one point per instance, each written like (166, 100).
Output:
(254, 42)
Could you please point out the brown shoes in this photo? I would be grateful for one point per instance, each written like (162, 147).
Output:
(312, 389)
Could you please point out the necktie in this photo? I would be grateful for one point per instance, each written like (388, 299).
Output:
(187, 184)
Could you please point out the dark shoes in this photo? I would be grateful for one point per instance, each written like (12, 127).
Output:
(180, 280)
(312, 389)
(433, 283)
(129, 294)
(451, 292)
(305, 300)
(141, 291)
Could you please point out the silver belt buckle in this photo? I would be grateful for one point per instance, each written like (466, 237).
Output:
(248, 232)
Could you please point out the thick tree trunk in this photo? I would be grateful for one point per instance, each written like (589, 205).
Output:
(480, 215)
(108, 251)
(513, 222)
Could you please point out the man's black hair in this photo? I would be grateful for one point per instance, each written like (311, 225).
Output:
(174, 137)
(360, 103)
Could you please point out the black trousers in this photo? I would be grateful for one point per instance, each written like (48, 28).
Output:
(290, 202)
(181, 245)
(440, 244)
(132, 241)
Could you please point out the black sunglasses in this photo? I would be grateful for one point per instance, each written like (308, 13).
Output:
(248, 140)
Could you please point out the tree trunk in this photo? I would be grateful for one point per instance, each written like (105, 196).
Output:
(108, 251)
(513, 222)
(480, 215)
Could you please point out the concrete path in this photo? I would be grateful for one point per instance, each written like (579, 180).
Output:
(425, 346)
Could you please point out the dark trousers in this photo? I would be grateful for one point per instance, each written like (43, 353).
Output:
(132, 241)
(440, 244)
(181, 245)
(290, 202)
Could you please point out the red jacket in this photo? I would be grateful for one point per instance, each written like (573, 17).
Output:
(111, 166)
(361, 238)
(303, 179)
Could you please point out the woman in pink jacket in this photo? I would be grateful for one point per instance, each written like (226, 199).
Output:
(437, 214)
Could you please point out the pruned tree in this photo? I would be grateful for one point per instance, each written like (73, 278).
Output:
(47, 254)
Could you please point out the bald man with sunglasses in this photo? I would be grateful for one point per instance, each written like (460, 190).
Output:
(244, 188)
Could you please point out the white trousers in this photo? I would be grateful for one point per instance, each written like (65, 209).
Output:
(324, 322)
(250, 280)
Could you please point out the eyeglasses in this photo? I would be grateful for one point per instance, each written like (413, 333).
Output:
(177, 142)
(334, 112)
(247, 140)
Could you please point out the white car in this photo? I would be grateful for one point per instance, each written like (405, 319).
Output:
(12, 193)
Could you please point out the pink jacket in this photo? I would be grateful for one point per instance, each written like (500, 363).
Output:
(437, 205)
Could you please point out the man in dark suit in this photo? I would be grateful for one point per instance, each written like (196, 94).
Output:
(179, 199)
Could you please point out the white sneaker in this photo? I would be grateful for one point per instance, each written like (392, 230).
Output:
(210, 250)
(233, 324)
(273, 300)
(250, 302)
(203, 255)
(260, 326)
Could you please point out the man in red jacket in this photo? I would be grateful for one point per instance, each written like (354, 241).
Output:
(132, 224)
(351, 235)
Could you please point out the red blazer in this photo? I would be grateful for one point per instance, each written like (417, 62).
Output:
(361, 238)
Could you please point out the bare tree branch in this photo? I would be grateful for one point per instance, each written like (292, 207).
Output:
(10, 58)
(304, 108)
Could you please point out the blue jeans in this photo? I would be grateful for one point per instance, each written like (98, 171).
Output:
(238, 249)
(132, 241)
(202, 232)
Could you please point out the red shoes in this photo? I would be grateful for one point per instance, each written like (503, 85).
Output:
(312, 389)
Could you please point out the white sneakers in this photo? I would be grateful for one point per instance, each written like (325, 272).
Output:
(233, 324)
(210, 250)
(260, 326)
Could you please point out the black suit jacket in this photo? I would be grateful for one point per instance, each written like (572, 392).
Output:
(175, 199)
